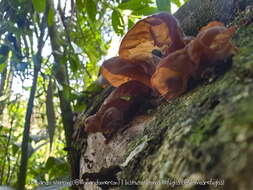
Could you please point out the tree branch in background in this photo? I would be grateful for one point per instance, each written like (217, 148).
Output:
(61, 76)
(26, 133)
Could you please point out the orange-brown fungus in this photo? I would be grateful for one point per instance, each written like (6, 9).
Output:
(211, 24)
(155, 53)
(211, 44)
(172, 74)
(118, 108)
(118, 71)
(160, 32)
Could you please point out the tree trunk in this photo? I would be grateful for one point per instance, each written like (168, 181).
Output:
(37, 60)
(204, 136)
(61, 76)
(27, 125)
(197, 13)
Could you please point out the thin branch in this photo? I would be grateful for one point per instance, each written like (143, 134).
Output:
(26, 133)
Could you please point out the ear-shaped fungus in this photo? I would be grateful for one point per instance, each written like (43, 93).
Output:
(118, 108)
(158, 32)
(118, 71)
(217, 38)
(172, 74)
(211, 44)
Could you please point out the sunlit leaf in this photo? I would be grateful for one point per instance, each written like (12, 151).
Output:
(117, 22)
(177, 2)
(94, 88)
(39, 5)
(130, 23)
(145, 11)
(2, 67)
(80, 5)
(91, 9)
(135, 4)
(163, 5)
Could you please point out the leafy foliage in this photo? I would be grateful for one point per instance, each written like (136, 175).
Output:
(39, 5)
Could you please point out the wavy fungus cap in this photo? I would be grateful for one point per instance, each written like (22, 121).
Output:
(118, 71)
(216, 37)
(157, 32)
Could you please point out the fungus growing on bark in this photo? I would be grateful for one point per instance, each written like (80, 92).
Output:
(160, 32)
(172, 74)
(155, 53)
(211, 44)
(118, 71)
(118, 108)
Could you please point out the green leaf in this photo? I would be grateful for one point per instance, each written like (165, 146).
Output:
(68, 93)
(163, 5)
(56, 167)
(2, 67)
(75, 64)
(94, 88)
(39, 5)
(15, 149)
(51, 162)
(135, 4)
(127, 98)
(51, 121)
(130, 23)
(145, 11)
(80, 5)
(117, 22)
(50, 17)
(91, 9)
(177, 2)
(80, 107)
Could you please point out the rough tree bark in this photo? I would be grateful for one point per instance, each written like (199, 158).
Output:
(206, 135)
(197, 13)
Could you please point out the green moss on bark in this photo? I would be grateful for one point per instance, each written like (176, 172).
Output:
(205, 134)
